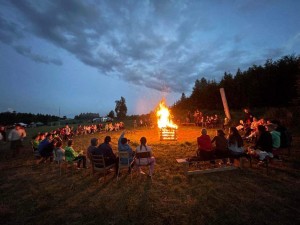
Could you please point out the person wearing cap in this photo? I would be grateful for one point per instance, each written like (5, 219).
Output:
(123, 146)
(107, 152)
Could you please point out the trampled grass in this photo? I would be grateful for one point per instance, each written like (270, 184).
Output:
(37, 194)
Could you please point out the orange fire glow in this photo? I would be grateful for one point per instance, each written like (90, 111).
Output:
(163, 117)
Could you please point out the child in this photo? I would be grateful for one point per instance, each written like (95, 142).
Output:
(59, 152)
(71, 155)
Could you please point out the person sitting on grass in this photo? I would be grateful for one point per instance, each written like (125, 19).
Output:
(263, 145)
(46, 148)
(59, 152)
(144, 161)
(275, 135)
(235, 144)
(221, 146)
(205, 150)
(123, 146)
(35, 144)
(71, 155)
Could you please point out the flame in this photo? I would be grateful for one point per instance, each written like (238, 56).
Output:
(163, 117)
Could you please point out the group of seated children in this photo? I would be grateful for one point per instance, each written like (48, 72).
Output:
(50, 148)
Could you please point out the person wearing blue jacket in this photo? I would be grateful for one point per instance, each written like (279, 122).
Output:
(123, 146)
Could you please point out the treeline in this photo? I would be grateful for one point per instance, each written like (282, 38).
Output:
(275, 84)
(86, 116)
(8, 118)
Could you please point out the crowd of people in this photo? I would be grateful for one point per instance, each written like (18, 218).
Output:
(142, 123)
(110, 157)
(266, 140)
(48, 147)
(67, 131)
(201, 120)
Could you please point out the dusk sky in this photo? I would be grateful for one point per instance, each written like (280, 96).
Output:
(78, 56)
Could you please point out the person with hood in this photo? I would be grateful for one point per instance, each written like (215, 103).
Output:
(123, 146)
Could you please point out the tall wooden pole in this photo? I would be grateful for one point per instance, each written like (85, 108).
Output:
(225, 105)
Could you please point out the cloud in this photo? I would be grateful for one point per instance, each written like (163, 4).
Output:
(26, 51)
(9, 31)
(157, 44)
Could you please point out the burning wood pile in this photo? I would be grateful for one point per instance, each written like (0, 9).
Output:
(168, 130)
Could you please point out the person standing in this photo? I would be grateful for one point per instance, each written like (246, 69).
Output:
(248, 119)
(15, 137)
(3, 133)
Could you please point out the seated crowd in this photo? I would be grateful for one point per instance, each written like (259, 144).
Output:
(67, 132)
(220, 147)
(266, 140)
(48, 147)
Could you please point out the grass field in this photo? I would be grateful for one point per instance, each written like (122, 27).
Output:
(37, 194)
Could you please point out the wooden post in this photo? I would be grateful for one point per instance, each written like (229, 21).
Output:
(225, 105)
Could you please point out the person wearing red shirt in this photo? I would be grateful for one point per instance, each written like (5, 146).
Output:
(205, 149)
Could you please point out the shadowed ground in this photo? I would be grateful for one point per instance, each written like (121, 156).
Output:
(36, 194)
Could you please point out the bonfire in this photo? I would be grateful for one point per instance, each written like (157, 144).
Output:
(166, 126)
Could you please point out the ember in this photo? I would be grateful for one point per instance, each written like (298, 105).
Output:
(167, 127)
